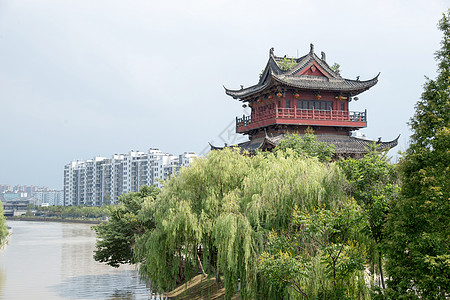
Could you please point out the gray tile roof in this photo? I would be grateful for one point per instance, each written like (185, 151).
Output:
(274, 75)
(350, 144)
(250, 146)
(345, 145)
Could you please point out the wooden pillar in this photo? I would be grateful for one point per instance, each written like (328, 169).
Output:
(276, 109)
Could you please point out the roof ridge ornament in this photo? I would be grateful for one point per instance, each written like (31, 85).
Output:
(324, 57)
(271, 51)
(311, 48)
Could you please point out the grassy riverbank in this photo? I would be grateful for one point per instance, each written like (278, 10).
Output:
(199, 287)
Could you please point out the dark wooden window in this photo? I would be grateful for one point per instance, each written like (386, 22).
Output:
(288, 103)
(314, 104)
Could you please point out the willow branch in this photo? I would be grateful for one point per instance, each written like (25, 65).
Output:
(296, 287)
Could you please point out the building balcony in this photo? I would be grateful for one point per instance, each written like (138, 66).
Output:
(306, 117)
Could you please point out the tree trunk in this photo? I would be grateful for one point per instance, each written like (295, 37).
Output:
(218, 276)
(334, 273)
(380, 264)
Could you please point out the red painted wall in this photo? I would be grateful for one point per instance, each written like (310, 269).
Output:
(264, 105)
(313, 70)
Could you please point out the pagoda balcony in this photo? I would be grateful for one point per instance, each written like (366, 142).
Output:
(307, 117)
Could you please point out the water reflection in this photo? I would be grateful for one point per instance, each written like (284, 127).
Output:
(54, 261)
(124, 284)
(2, 281)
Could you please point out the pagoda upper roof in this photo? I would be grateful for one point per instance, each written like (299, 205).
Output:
(308, 72)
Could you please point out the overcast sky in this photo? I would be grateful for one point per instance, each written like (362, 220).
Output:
(85, 78)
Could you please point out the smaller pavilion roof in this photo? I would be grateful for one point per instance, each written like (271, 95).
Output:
(308, 72)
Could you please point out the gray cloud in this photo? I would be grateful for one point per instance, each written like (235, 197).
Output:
(83, 78)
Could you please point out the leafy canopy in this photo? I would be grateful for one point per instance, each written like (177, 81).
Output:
(217, 215)
(374, 184)
(306, 145)
(321, 256)
(418, 251)
(116, 238)
(336, 68)
(287, 63)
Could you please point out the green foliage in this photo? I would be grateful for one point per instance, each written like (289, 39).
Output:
(261, 73)
(374, 183)
(189, 212)
(287, 63)
(332, 232)
(3, 229)
(216, 216)
(321, 256)
(307, 146)
(69, 212)
(418, 235)
(283, 264)
(336, 68)
(279, 225)
(116, 238)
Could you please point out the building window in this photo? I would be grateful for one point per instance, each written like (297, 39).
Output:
(342, 106)
(288, 103)
(314, 104)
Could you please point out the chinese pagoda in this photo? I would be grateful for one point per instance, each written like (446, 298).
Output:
(296, 93)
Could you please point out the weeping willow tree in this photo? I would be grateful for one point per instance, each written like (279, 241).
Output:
(215, 218)
(187, 213)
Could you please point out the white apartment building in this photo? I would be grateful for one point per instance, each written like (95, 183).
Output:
(51, 197)
(101, 181)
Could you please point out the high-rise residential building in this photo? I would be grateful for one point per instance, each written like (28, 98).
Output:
(51, 197)
(102, 180)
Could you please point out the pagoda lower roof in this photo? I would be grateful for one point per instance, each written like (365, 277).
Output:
(345, 145)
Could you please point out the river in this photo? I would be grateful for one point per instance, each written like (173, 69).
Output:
(53, 261)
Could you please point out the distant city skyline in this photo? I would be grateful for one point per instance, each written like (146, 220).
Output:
(79, 79)
(22, 188)
(101, 180)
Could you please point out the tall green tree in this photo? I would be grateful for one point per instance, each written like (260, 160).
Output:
(116, 237)
(187, 213)
(321, 257)
(374, 183)
(418, 233)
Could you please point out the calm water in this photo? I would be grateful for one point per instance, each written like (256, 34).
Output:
(46, 260)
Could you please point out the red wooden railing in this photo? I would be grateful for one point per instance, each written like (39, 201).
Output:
(302, 114)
